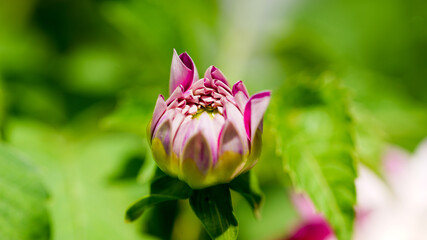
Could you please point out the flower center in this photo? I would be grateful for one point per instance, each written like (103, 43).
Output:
(204, 95)
(209, 110)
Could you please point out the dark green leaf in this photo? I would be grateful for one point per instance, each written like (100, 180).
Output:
(247, 185)
(165, 185)
(23, 213)
(160, 220)
(213, 207)
(163, 188)
(141, 205)
(2, 105)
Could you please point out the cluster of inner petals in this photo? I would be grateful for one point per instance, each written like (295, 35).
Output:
(205, 94)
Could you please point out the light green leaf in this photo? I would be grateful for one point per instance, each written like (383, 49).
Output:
(23, 213)
(247, 185)
(213, 207)
(163, 188)
(316, 132)
(85, 204)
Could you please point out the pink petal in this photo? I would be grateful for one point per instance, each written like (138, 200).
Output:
(223, 85)
(211, 128)
(177, 121)
(182, 103)
(316, 229)
(193, 109)
(198, 150)
(304, 205)
(168, 115)
(209, 82)
(240, 87)
(185, 109)
(208, 90)
(233, 115)
(372, 192)
(207, 99)
(224, 92)
(159, 109)
(183, 72)
(221, 110)
(200, 91)
(185, 130)
(173, 104)
(241, 100)
(314, 226)
(214, 73)
(176, 94)
(254, 112)
(241, 95)
(229, 139)
(164, 134)
(198, 84)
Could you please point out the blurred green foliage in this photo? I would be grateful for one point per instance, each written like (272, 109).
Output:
(79, 79)
(317, 144)
(23, 198)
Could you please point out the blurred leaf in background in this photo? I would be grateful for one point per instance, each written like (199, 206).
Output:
(23, 198)
(2, 107)
(379, 55)
(88, 190)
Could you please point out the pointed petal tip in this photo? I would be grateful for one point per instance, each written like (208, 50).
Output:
(183, 71)
(229, 139)
(214, 73)
(262, 94)
(254, 112)
(233, 114)
(186, 60)
(197, 149)
(239, 86)
(164, 133)
(159, 110)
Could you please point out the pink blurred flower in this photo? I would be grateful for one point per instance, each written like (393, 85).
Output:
(206, 133)
(396, 208)
(313, 225)
(390, 208)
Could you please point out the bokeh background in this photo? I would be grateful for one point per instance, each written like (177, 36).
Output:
(79, 80)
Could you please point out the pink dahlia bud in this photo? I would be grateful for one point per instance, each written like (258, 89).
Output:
(206, 133)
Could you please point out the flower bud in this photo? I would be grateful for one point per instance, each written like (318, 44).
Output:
(206, 133)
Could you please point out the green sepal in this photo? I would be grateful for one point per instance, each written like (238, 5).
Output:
(138, 208)
(247, 185)
(165, 185)
(213, 207)
(163, 188)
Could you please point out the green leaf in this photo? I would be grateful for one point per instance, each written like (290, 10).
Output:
(317, 145)
(2, 104)
(213, 207)
(163, 188)
(169, 186)
(247, 185)
(138, 208)
(77, 170)
(23, 213)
